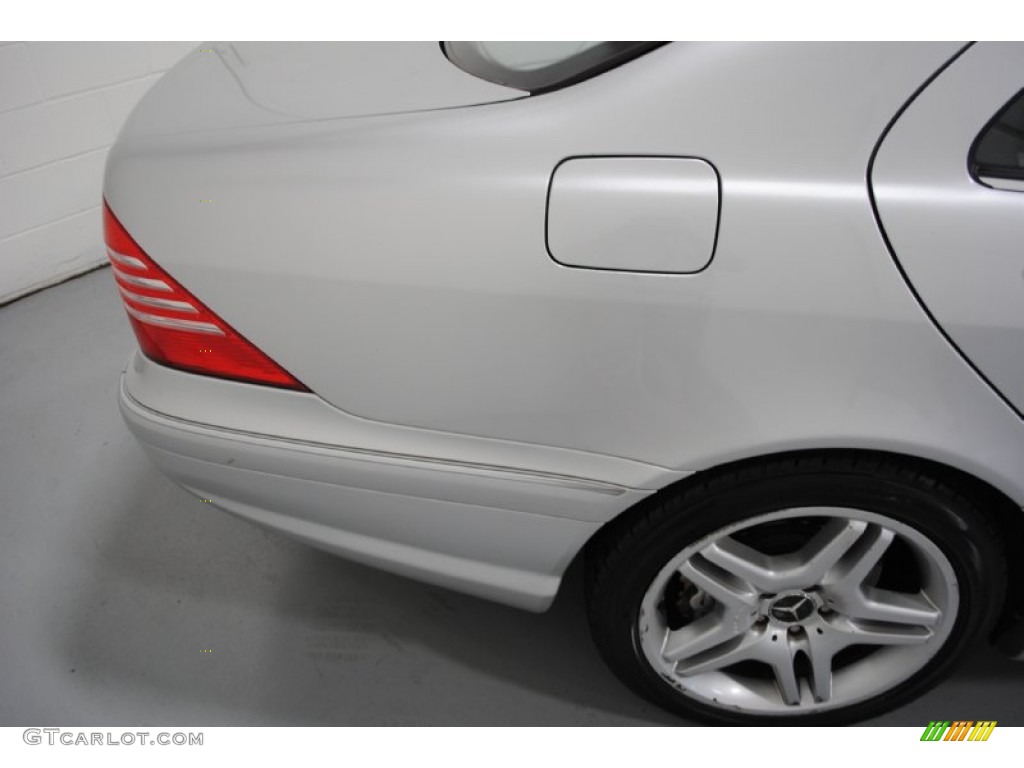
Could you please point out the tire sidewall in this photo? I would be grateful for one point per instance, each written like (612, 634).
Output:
(948, 522)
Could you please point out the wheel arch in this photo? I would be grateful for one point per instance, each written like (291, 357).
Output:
(1006, 517)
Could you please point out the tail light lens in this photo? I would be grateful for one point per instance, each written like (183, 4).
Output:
(174, 328)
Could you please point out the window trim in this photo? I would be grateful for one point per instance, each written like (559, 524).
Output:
(635, 51)
(984, 174)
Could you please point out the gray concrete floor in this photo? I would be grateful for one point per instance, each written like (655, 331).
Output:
(114, 584)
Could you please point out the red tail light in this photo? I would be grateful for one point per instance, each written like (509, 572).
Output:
(174, 328)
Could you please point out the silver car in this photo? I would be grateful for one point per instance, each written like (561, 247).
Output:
(740, 325)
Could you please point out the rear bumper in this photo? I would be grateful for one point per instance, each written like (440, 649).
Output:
(499, 532)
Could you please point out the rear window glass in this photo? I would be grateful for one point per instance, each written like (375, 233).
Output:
(999, 150)
(541, 66)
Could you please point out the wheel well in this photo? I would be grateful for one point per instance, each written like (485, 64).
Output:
(1007, 518)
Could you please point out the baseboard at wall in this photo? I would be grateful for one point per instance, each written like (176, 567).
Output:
(63, 277)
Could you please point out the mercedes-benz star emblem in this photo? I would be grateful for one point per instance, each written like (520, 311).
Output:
(790, 608)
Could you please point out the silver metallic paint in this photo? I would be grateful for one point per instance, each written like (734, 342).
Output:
(601, 208)
(960, 241)
(396, 263)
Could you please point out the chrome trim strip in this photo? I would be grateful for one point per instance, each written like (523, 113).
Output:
(436, 464)
(193, 326)
(144, 282)
(152, 301)
(123, 258)
(1013, 185)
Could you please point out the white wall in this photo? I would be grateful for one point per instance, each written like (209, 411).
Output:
(61, 105)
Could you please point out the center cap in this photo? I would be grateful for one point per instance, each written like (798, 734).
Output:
(792, 608)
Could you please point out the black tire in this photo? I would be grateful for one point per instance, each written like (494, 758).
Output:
(625, 557)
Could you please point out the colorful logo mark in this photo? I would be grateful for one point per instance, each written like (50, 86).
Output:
(958, 730)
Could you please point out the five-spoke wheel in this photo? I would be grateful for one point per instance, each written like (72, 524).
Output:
(820, 593)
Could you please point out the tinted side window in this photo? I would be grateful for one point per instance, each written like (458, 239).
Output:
(999, 151)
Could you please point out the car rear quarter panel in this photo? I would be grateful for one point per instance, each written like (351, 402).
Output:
(397, 264)
(958, 239)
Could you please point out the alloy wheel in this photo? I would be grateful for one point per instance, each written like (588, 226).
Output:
(798, 610)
